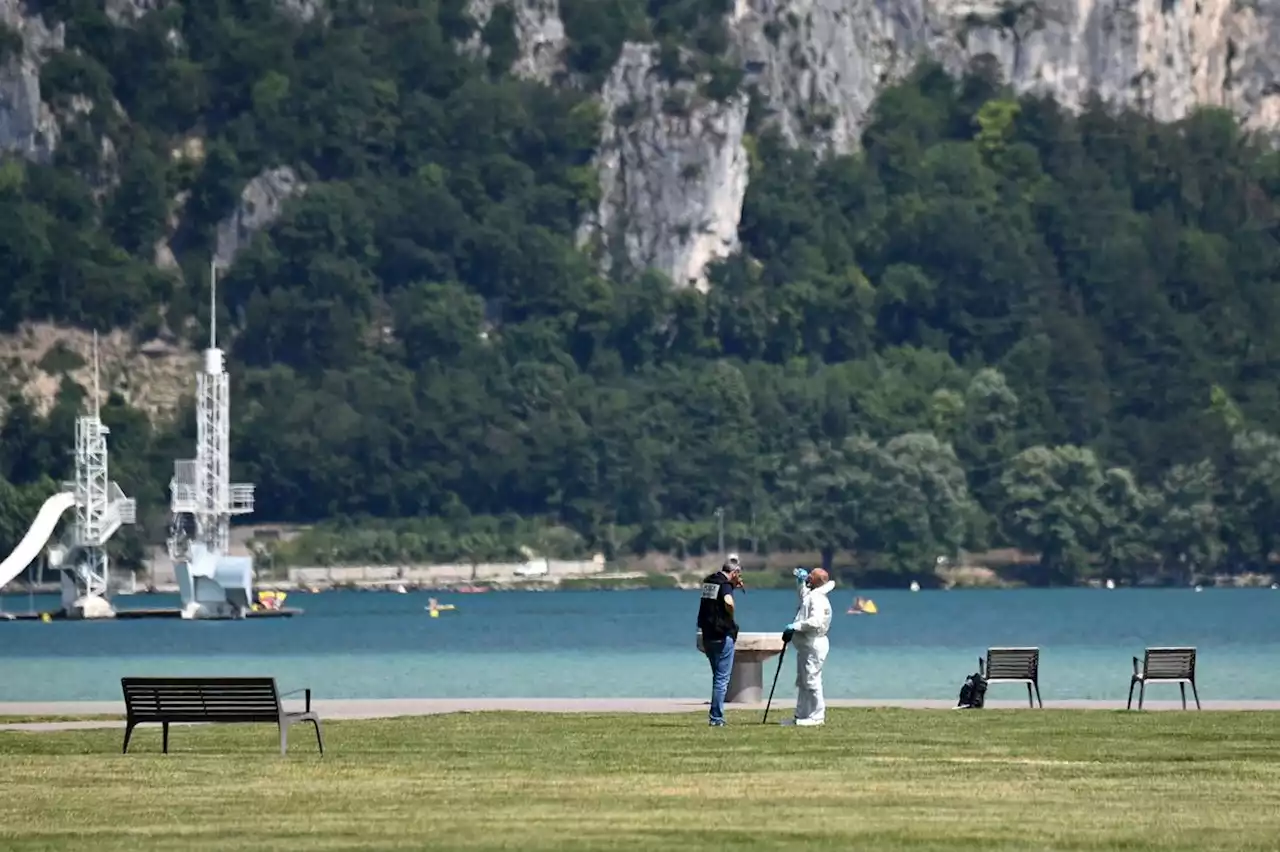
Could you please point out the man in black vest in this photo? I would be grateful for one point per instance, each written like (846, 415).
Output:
(719, 630)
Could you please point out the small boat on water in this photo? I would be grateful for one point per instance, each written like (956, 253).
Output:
(862, 606)
(269, 599)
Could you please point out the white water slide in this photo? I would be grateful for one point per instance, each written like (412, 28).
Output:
(37, 537)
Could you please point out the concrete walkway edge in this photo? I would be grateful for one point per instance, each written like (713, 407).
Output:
(397, 707)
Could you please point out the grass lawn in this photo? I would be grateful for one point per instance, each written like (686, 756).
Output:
(871, 779)
(15, 719)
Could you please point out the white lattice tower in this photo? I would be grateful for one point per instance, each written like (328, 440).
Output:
(101, 507)
(91, 473)
(202, 486)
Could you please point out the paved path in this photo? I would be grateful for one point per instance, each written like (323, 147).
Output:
(392, 707)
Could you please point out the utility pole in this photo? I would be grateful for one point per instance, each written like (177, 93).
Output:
(720, 516)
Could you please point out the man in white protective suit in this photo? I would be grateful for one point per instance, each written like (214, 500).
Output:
(809, 637)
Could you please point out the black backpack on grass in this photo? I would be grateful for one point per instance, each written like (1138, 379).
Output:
(973, 694)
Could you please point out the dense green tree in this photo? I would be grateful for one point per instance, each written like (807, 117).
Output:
(1054, 505)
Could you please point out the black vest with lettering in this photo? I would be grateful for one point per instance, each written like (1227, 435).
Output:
(714, 618)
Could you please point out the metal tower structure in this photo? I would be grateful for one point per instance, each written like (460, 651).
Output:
(203, 499)
(101, 509)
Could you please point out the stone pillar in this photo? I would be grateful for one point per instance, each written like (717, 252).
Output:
(746, 679)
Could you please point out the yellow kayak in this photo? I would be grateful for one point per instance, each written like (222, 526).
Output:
(863, 606)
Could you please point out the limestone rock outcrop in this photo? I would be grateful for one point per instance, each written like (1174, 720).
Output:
(28, 125)
(261, 202)
(539, 31)
(673, 172)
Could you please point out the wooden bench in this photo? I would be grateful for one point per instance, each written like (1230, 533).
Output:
(1013, 665)
(167, 700)
(1165, 665)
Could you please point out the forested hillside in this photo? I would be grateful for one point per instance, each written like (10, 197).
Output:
(998, 324)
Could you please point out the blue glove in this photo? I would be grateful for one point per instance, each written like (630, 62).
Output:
(791, 627)
(801, 574)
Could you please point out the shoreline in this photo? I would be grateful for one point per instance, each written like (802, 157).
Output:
(621, 582)
(388, 708)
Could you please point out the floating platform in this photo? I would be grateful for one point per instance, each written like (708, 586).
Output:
(168, 612)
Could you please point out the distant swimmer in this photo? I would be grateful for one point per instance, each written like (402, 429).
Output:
(862, 606)
(435, 607)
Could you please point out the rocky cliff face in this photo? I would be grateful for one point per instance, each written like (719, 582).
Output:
(539, 31)
(821, 62)
(27, 124)
(673, 172)
(150, 376)
(261, 203)
(672, 188)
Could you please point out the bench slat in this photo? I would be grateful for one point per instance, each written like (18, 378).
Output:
(209, 690)
(196, 681)
(210, 699)
(209, 717)
(1012, 663)
(197, 700)
(195, 697)
(1169, 663)
(165, 707)
(230, 693)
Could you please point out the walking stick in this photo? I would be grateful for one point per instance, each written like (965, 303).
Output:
(769, 703)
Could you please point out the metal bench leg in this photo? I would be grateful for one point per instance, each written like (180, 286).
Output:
(166, 737)
(1038, 701)
(1182, 687)
(1031, 702)
(1142, 693)
(128, 732)
(1196, 694)
(319, 739)
(284, 737)
(1132, 683)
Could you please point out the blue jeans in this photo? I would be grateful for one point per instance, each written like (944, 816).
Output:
(720, 655)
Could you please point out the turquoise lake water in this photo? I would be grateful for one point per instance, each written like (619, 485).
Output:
(641, 644)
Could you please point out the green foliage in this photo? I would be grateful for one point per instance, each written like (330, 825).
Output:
(59, 359)
(597, 30)
(499, 35)
(997, 324)
(18, 507)
(691, 37)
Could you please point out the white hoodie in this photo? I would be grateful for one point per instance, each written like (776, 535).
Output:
(813, 619)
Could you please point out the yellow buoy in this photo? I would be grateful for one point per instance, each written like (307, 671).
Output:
(44, 616)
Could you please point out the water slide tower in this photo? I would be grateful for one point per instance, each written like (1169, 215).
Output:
(101, 508)
(212, 583)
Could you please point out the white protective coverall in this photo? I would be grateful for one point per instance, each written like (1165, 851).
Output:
(812, 621)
